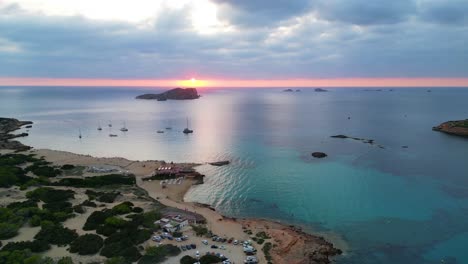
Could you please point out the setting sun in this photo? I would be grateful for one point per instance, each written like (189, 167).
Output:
(192, 82)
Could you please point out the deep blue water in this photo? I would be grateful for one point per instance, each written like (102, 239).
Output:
(392, 205)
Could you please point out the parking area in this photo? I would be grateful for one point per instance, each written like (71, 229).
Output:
(235, 253)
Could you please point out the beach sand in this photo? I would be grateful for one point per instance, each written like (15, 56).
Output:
(290, 245)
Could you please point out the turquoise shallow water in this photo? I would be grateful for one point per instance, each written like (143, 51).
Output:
(392, 205)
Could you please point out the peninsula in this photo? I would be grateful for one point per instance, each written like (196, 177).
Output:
(8, 125)
(174, 94)
(457, 128)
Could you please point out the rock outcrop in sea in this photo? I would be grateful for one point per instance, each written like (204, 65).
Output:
(8, 125)
(319, 155)
(174, 94)
(320, 90)
(457, 128)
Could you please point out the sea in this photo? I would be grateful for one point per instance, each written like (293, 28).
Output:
(403, 199)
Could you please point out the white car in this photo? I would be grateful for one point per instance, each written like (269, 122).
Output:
(178, 239)
(197, 255)
(205, 242)
(236, 242)
(156, 238)
(222, 247)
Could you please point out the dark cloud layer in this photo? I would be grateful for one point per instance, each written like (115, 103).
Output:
(271, 39)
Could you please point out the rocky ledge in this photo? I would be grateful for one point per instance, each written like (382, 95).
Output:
(174, 94)
(457, 128)
(8, 125)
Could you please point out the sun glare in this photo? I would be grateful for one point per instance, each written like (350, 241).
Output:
(192, 82)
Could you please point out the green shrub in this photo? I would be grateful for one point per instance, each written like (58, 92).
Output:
(88, 203)
(121, 249)
(150, 217)
(158, 254)
(35, 246)
(56, 234)
(40, 170)
(8, 230)
(115, 221)
(59, 206)
(98, 181)
(208, 259)
(65, 260)
(49, 195)
(200, 230)
(67, 167)
(97, 218)
(87, 244)
(108, 197)
(123, 208)
(188, 260)
(137, 210)
(266, 250)
(117, 260)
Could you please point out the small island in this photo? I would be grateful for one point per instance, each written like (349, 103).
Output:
(174, 94)
(320, 90)
(288, 90)
(457, 128)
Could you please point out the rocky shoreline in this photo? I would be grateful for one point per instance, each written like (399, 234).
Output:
(457, 128)
(8, 125)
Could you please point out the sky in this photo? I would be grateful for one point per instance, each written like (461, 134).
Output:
(234, 42)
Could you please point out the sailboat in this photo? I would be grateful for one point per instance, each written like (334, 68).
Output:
(169, 126)
(124, 128)
(110, 124)
(99, 127)
(79, 131)
(187, 130)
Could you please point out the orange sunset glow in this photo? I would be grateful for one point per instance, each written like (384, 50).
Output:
(231, 83)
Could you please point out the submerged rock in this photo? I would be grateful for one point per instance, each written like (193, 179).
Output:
(319, 155)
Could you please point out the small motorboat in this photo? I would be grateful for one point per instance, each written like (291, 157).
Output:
(124, 128)
(160, 131)
(112, 135)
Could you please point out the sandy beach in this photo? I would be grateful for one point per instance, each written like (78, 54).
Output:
(291, 244)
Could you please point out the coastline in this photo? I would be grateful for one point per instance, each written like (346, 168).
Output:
(293, 244)
(289, 244)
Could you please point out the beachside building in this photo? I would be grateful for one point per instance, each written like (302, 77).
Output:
(174, 224)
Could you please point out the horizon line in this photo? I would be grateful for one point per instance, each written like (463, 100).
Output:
(245, 83)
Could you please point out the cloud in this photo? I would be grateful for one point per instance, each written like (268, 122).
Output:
(454, 12)
(311, 40)
(261, 13)
(365, 12)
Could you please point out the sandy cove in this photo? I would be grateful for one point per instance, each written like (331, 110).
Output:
(291, 245)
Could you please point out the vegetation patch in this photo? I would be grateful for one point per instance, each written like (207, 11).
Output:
(88, 244)
(159, 254)
(35, 246)
(49, 195)
(200, 230)
(98, 181)
(55, 234)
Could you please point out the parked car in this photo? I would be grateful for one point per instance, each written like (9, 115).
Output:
(193, 246)
(205, 242)
(197, 254)
(156, 238)
(214, 246)
(183, 248)
(178, 239)
(236, 242)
